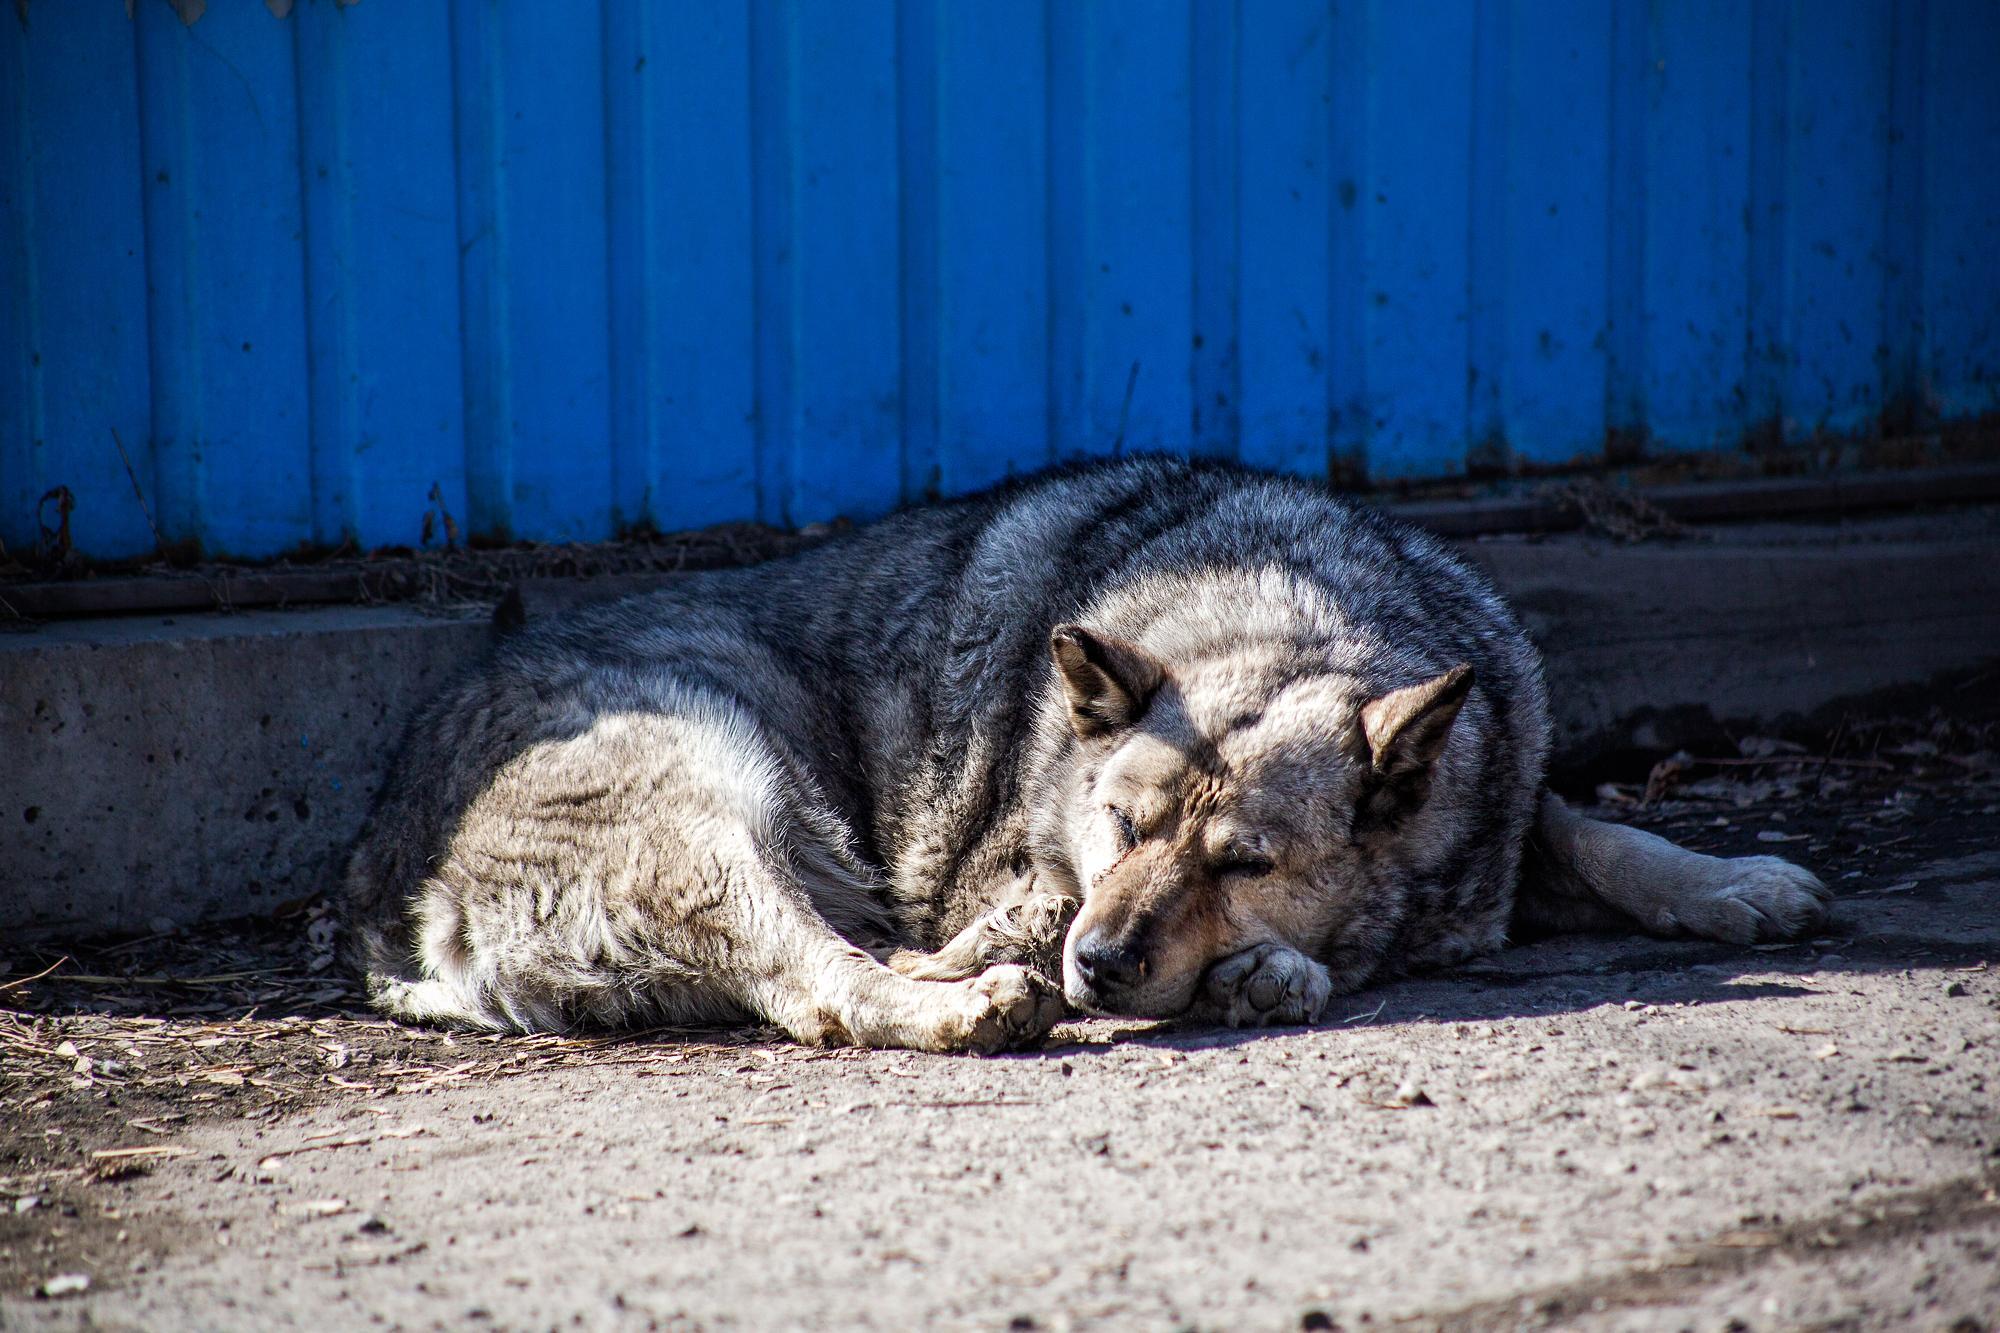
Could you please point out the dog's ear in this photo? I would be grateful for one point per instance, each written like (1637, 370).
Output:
(1399, 737)
(1108, 682)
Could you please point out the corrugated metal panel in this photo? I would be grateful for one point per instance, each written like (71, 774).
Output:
(559, 269)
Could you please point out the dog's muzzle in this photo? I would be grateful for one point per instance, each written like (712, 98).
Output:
(1102, 971)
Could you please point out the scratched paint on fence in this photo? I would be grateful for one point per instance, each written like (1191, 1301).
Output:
(315, 273)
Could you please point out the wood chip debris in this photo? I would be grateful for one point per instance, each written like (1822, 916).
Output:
(271, 1161)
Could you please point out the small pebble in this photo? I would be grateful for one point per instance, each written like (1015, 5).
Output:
(1954, 989)
(1410, 1093)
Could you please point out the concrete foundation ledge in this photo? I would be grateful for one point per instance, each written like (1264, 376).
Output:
(161, 771)
(156, 771)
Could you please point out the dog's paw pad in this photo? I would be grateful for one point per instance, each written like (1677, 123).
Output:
(1757, 899)
(1011, 1007)
(1270, 984)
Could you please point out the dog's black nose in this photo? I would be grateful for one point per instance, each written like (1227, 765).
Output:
(1107, 965)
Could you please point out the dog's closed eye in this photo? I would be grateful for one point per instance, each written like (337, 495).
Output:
(1249, 867)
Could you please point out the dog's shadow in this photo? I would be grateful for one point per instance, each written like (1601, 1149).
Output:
(1565, 974)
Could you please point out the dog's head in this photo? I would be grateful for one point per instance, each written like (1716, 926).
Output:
(1228, 802)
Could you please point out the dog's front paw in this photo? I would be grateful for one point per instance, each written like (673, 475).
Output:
(1009, 1007)
(1270, 984)
(1757, 898)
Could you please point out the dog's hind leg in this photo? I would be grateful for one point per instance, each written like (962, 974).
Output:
(1584, 874)
(735, 931)
(656, 865)
(726, 931)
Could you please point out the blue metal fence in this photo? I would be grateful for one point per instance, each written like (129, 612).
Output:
(581, 265)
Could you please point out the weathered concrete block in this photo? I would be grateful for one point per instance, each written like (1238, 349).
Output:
(165, 770)
(1748, 623)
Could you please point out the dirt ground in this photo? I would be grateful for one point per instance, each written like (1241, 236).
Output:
(205, 1131)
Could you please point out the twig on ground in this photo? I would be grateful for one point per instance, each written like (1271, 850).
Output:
(22, 981)
(1368, 1017)
(1800, 759)
(352, 1141)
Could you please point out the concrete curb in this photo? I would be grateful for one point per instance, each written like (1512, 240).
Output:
(169, 770)
(1650, 646)
(160, 771)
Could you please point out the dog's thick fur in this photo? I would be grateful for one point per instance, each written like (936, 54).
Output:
(1147, 737)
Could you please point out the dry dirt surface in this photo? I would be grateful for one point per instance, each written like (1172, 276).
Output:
(206, 1132)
